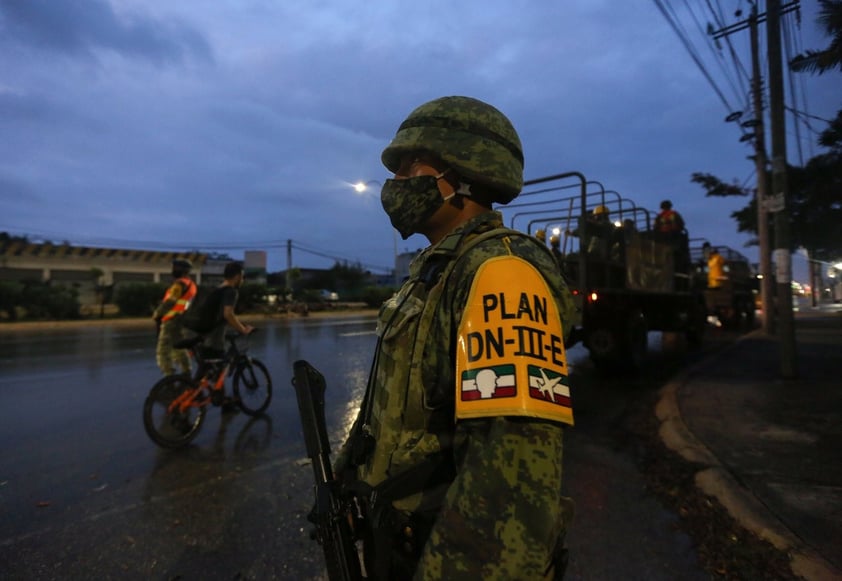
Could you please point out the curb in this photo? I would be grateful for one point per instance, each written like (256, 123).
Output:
(137, 322)
(716, 480)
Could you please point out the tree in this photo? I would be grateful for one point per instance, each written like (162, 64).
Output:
(10, 297)
(815, 204)
(716, 187)
(821, 61)
(139, 299)
(6, 237)
(832, 136)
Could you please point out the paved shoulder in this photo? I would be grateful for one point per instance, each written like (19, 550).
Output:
(768, 449)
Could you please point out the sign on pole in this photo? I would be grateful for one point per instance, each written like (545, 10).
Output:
(774, 203)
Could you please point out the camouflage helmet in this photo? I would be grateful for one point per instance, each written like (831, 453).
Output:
(472, 137)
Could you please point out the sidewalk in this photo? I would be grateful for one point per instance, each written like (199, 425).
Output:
(770, 449)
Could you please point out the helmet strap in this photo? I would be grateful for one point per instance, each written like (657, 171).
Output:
(461, 188)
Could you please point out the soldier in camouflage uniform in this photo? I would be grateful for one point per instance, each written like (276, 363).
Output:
(456, 455)
(168, 317)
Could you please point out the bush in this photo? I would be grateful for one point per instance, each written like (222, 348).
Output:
(310, 295)
(139, 299)
(375, 296)
(10, 298)
(251, 296)
(43, 300)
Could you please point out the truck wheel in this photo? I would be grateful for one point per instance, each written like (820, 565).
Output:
(636, 342)
(602, 346)
(733, 317)
(747, 315)
(696, 325)
(750, 313)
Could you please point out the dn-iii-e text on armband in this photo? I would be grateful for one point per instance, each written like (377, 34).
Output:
(510, 357)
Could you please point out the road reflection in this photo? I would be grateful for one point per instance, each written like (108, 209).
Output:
(79, 476)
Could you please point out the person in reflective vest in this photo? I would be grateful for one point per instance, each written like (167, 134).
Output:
(716, 266)
(469, 397)
(168, 317)
(668, 222)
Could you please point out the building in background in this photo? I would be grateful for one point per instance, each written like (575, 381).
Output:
(86, 267)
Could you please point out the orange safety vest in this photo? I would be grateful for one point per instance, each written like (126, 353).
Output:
(667, 221)
(183, 301)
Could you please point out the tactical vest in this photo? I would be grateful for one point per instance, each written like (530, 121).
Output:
(409, 427)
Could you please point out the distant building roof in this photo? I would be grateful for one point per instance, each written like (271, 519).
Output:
(21, 248)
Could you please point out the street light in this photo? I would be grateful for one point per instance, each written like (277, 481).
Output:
(360, 187)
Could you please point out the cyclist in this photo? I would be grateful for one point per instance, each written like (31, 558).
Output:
(214, 343)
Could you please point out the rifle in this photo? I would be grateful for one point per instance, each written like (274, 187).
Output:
(332, 514)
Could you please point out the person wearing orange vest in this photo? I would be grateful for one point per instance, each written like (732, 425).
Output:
(668, 221)
(168, 314)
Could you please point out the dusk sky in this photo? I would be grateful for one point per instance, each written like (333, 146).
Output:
(230, 124)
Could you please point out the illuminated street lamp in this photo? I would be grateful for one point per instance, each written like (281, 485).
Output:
(360, 188)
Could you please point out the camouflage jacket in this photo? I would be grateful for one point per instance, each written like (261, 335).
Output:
(502, 514)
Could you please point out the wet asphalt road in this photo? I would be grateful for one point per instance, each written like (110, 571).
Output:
(84, 494)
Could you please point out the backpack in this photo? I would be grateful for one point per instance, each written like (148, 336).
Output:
(205, 312)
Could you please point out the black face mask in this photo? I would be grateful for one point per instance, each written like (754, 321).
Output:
(410, 202)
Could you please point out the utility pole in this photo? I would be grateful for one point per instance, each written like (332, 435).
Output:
(776, 202)
(783, 258)
(288, 281)
(762, 189)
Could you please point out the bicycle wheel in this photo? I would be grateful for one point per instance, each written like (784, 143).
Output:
(176, 429)
(252, 386)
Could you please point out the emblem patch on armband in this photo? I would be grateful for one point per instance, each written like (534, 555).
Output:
(510, 357)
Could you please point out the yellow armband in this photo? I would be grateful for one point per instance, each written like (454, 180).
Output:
(510, 358)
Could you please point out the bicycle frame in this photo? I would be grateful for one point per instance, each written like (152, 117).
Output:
(189, 398)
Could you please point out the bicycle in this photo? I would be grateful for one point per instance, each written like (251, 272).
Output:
(176, 405)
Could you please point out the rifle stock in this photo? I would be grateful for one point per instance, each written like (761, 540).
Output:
(331, 513)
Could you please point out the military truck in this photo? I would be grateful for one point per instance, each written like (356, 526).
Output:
(732, 304)
(626, 278)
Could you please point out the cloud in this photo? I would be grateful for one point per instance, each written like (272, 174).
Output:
(88, 27)
(248, 121)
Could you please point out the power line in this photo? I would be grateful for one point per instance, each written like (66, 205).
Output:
(673, 22)
(808, 115)
(742, 91)
(335, 258)
(712, 47)
(788, 53)
(794, 28)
